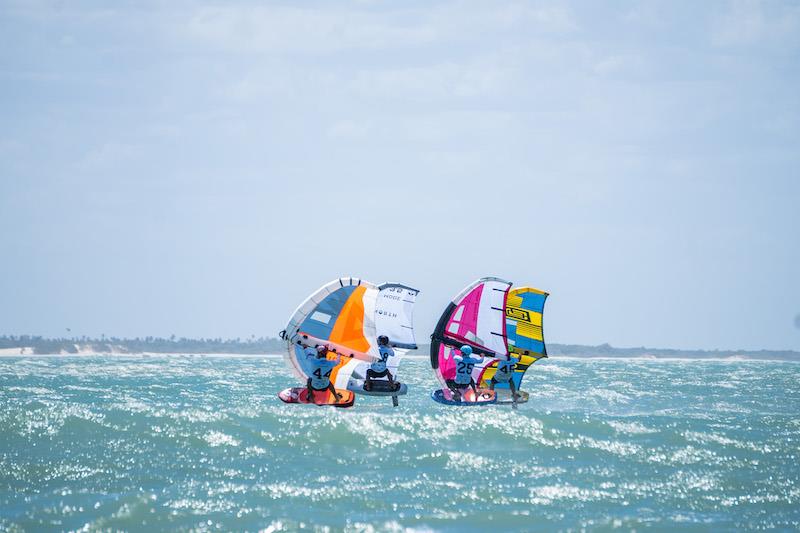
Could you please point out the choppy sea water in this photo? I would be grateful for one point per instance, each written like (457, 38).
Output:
(203, 443)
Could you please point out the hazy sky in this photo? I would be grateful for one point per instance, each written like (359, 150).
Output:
(199, 169)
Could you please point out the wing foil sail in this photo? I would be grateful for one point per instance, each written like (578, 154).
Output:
(524, 316)
(351, 313)
(394, 314)
(476, 317)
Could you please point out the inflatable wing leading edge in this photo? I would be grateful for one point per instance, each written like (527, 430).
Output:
(476, 317)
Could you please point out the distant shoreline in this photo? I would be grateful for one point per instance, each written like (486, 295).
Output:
(632, 359)
(25, 345)
(6, 354)
(9, 354)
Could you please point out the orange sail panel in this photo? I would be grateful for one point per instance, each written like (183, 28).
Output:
(349, 327)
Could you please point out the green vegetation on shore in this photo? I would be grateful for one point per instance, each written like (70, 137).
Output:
(74, 345)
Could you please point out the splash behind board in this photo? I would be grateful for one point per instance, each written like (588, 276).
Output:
(468, 398)
(504, 396)
(323, 397)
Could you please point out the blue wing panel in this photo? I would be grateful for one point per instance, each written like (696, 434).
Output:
(321, 321)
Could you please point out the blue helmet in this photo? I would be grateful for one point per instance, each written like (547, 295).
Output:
(466, 350)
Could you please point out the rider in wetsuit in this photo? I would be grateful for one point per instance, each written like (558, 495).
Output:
(320, 378)
(378, 368)
(463, 378)
(503, 374)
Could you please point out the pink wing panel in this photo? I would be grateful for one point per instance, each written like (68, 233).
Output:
(447, 365)
(464, 321)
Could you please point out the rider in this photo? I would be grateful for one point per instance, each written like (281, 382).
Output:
(463, 378)
(322, 367)
(378, 368)
(503, 374)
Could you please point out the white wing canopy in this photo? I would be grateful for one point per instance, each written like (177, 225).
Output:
(394, 313)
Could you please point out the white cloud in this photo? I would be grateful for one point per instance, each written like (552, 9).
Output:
(282, 29)
(743, 24)
(9, 147)
(111, 155)
(750, 22)
(617, 64)
(441, 81)
(464, 129)
(350, 129)
(331, 29)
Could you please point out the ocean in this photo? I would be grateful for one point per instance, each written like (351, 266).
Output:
(185, 443)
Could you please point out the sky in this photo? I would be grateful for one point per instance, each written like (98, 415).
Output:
(198, 169)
